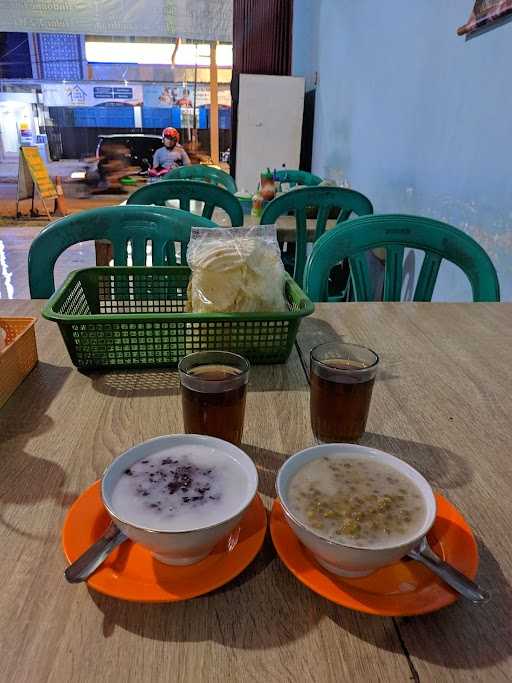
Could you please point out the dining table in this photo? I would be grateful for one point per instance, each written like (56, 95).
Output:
(285, 229)
(442, 402)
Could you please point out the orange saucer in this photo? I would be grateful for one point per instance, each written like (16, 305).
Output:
(402, 589)
(131, 573)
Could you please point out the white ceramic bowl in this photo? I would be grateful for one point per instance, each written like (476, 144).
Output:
(338, 558)
(178, 547)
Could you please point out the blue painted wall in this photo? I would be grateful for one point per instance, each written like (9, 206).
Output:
(60, 56)
(305, 40)
(414, 116)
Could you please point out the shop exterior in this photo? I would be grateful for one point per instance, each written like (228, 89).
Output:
(150, 86)
(58, 109)
(19, 122)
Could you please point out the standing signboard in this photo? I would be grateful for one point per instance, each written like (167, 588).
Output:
(32, 175)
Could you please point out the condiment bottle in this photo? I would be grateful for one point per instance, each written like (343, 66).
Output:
(257, 205)
(268, 188)
(285, 185)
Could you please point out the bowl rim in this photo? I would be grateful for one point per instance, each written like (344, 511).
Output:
(413, 540)
(165, 438)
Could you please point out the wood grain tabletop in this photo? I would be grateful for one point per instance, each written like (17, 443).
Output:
(442, 402)
(285, 225)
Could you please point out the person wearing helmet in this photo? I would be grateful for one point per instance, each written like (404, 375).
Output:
(170, 155)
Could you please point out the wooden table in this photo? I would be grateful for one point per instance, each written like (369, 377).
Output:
(442, 402)
(286, 230)
(285, 225)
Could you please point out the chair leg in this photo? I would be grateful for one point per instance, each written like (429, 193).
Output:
(288, 256)
(339, 282)
(103, 253)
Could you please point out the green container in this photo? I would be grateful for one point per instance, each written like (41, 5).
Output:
(134, 317)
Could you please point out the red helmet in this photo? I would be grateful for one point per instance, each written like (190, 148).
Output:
(171, 133)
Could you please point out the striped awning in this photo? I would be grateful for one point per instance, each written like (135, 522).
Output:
(192, 19)
(485, 12)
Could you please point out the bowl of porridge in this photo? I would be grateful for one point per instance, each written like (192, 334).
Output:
(355, 508)
(179, 495)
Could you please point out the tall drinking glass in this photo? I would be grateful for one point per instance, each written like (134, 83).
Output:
(213, 391)
(342, 377)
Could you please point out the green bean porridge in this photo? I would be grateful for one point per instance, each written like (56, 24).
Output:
(357, 501)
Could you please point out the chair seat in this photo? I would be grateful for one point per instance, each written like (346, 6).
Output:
(186, 191)
(396, 232)
(208, 174)
(321, 201)
(119, 225)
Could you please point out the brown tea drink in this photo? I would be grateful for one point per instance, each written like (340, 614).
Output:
(213, 394)
(342, 378)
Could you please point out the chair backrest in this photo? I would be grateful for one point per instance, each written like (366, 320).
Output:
(208, 174)
(295, 177)
(213, 196)
(321, 201)
(161, 226)
(395, 232)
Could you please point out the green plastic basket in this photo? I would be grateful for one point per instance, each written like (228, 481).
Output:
(133, 317)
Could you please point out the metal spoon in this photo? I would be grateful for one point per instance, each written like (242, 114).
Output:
(84, 566)
(453, 577)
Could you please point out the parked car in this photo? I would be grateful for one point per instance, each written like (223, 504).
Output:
(141, 148)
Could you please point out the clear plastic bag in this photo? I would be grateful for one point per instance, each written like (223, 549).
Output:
(235, 270)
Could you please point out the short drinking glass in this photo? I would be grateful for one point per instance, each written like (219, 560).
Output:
(342, 377)
(213, 391)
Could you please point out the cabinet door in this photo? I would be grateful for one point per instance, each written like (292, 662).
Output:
(269, 126)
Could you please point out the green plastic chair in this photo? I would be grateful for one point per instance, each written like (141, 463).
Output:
(323, 199)
(186, 190)
(296, 177)
(119, 225)
(208, 174)
(395, 232)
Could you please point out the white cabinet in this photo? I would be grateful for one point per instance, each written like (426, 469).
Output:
(269, 126)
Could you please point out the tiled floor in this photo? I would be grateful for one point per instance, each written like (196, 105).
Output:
(14, 246)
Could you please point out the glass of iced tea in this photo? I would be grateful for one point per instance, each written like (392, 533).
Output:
(213, 391)
(342, 377)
